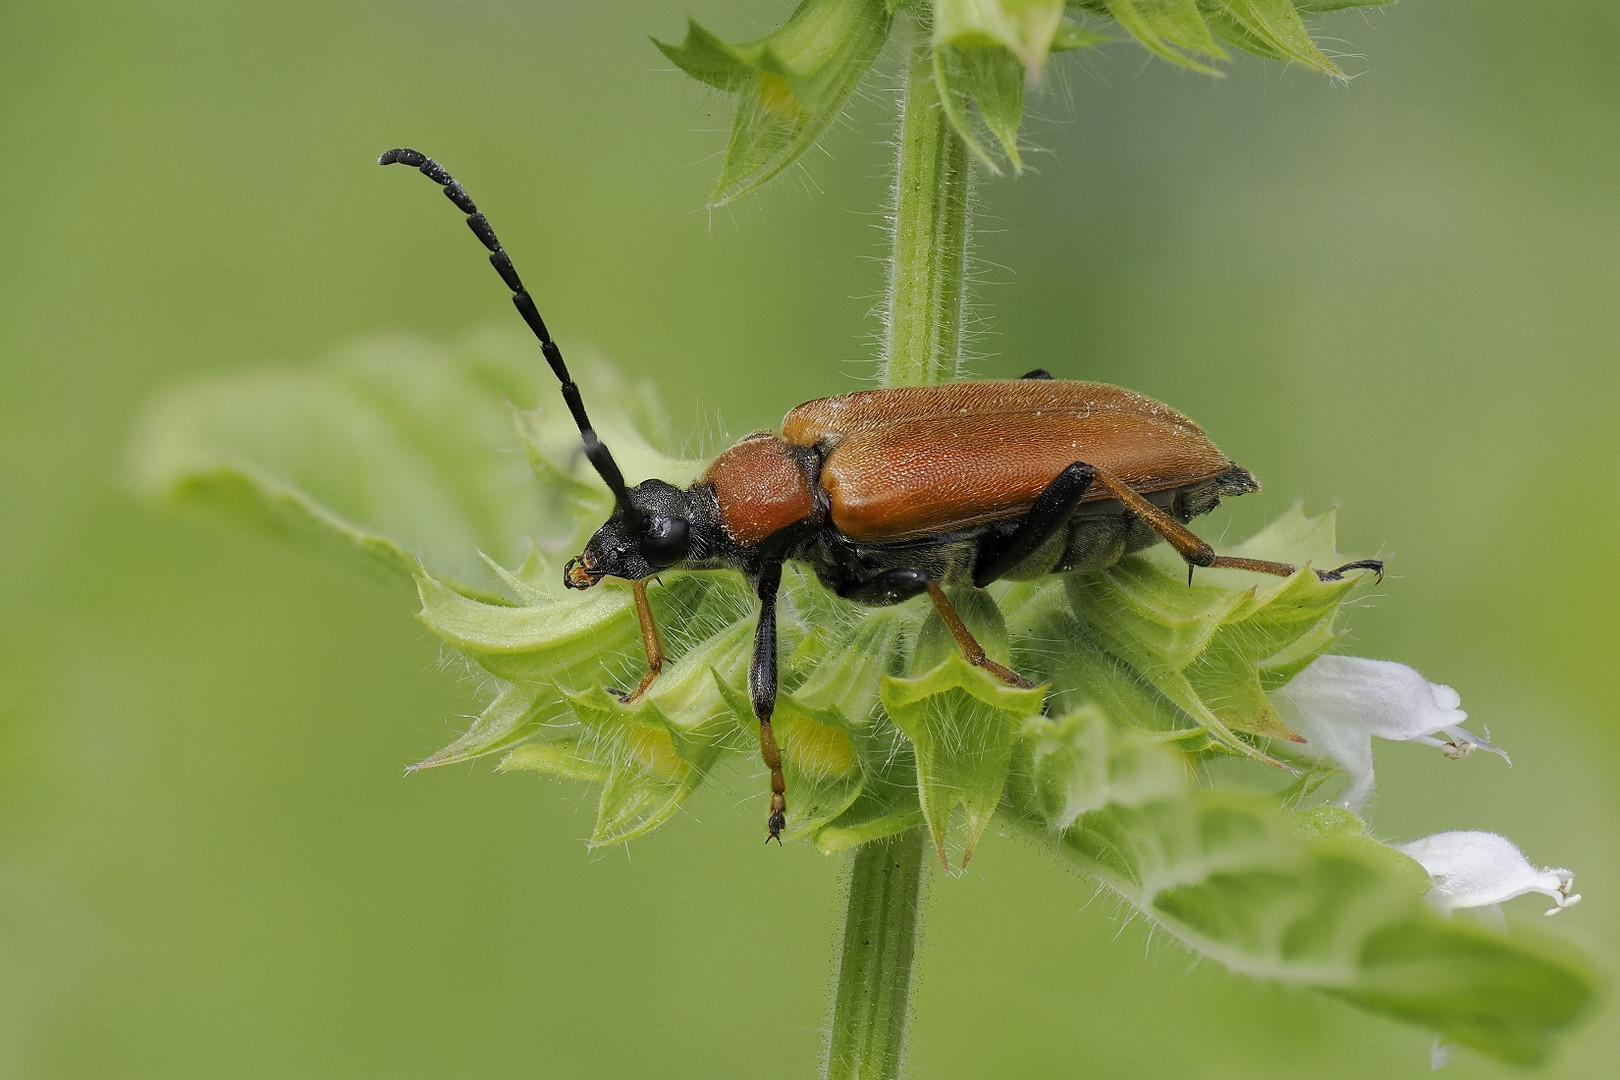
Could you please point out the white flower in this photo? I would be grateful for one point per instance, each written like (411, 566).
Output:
(1475, 869)
(1340, 702)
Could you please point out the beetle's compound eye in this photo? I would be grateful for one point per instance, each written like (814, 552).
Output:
(664, 541)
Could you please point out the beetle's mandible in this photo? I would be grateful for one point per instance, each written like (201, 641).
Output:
(887, 494)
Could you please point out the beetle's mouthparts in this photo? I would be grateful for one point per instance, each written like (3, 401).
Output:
(578, 574)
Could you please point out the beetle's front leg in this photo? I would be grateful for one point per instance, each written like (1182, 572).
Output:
(651, 643)
(762, 693)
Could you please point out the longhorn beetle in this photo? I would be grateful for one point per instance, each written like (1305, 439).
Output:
(888, 494)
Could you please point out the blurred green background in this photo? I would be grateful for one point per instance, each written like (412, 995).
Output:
(1397, 295)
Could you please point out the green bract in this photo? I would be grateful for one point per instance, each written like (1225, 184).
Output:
(1306, 898)
(882, 724)
(793, 83)
(789, 86)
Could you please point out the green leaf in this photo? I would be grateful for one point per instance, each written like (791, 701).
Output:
(558, 652)
(652, 762)
(1025, 28)
(1195, 661)
(1270, 28)
(651, 755)
(791, 84)
(516, 714)
(567, 639)
(1172, 29)
(562, 757)
(1317, 7)
(992, 78)
(1310, 900)
(825, 724)
(395, 449)
(1506, 996)
(963, 723)
(1184, 31)
(1072, 36)
(887, 801)
(711, 60)
(985, 52)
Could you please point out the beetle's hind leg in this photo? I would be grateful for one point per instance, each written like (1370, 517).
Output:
(1051, 512)
(1197, 552)
(893, 586)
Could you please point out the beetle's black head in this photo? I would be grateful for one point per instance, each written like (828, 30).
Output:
(650, 529)
(655, 534)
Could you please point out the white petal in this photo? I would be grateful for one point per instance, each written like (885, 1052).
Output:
(1473, 869)
(1347, 747)
(1339, 703)
(1440, 1054)
(1379, 697)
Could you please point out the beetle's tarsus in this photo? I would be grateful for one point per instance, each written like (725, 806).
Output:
(1375, 565)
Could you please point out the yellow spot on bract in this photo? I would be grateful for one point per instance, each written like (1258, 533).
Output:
(655, 752)
(822, 751)
(776, 96)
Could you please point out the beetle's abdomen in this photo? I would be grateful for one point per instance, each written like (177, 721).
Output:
(761, 488)
(925, 476)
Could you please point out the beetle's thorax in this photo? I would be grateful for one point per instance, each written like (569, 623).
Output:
(763, 487)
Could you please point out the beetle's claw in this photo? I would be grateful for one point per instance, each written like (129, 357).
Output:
(776, 823)
(622, 695)
(1375, 565)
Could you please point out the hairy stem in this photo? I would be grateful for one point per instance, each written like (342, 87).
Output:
(927, 293)
(871, 1002)
(926, 300)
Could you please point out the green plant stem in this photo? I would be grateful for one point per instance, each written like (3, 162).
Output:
(927, 294)
(927, 298)
(871, 1003)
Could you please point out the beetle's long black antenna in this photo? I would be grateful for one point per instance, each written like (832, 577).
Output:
(502, 262)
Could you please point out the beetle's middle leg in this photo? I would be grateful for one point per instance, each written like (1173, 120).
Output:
(1196, 551)
(972, 651)
(893, 586)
